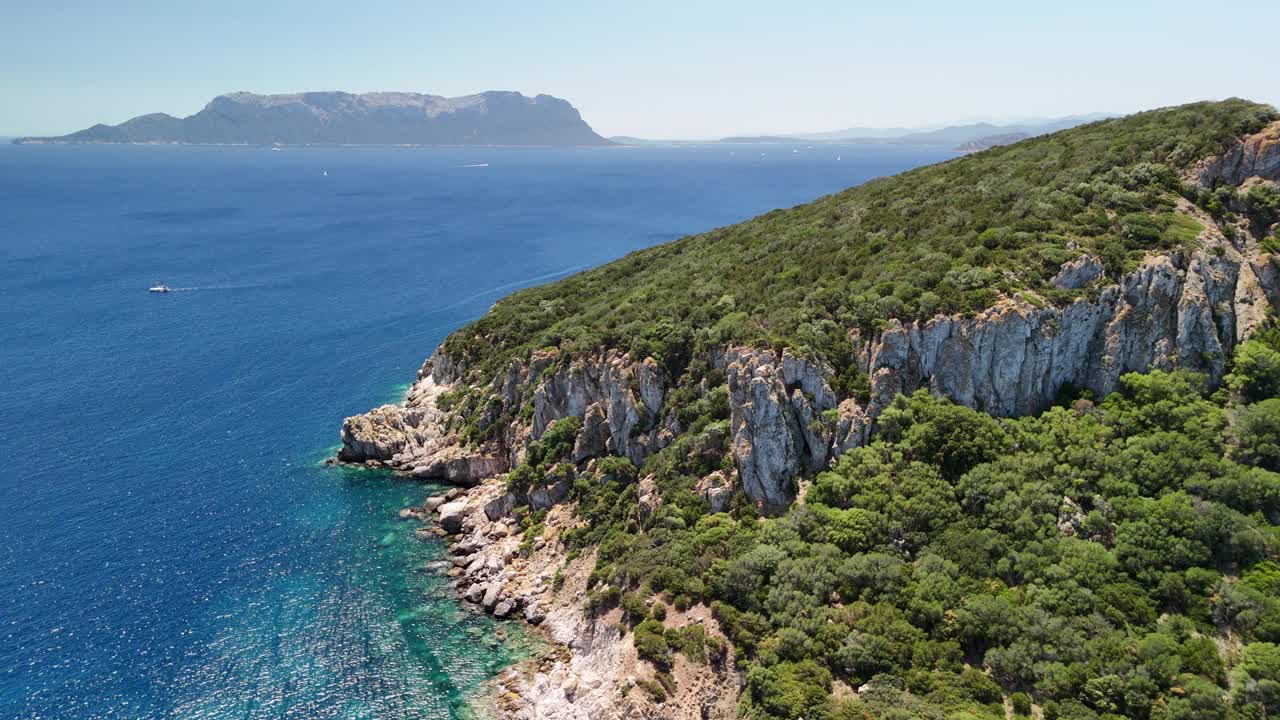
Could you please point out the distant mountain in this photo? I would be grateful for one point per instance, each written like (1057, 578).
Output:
(952, 135)
(339, 118)
(958, 134)
(759, 139)
(865, 133)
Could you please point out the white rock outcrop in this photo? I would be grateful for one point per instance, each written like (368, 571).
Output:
(1253, 156)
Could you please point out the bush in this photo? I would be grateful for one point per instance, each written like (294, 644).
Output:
(658, 611)
(651, 644)
(653, 688)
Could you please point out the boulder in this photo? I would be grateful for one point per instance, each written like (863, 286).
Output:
(378, 435)
(533, 614)
(491, 594)
(716, 490)
(542, 498)
(500, 507)
(503, 608)
(452, 515)
(466, 547)
(458, 468)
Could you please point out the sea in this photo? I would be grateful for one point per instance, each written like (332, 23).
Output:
(171, 543)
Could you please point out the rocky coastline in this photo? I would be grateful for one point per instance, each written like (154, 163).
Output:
(591, 670)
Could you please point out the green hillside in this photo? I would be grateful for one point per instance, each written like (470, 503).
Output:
(945, 238)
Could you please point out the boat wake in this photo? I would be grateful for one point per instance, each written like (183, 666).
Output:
(230, 286)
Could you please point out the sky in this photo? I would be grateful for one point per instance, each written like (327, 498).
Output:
(658, 69)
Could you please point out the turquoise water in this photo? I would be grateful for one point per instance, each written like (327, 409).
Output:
(171, 545)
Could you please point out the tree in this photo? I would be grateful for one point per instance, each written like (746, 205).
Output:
(1255, 435)
(1257, 679)
(1256, 375)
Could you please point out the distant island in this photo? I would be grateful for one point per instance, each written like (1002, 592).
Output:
(339, 118)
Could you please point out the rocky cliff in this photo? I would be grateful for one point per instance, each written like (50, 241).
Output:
(1176, 310)
(338, 118)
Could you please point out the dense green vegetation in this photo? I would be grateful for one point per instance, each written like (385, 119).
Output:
(1109, 558)
(950, 237)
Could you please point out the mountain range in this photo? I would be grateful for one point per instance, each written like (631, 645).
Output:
(965, 137)
(340, 118)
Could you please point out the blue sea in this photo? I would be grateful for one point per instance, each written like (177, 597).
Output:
(170, 544)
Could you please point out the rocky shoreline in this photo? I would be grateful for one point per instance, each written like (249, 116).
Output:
(591, 670)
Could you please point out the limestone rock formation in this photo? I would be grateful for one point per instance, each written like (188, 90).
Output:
(1077, 273)
(1256, 155)
(775, 401)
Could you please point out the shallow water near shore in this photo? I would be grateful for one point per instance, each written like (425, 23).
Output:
(172, 545)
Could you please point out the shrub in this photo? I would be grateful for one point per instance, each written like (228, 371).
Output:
(651, 643)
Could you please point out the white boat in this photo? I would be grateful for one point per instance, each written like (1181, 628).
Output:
(159, 288)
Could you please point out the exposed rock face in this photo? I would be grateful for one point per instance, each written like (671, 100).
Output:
(1077, 273)
(385, 118)
(626, 398)
(1255, 156)
(412, 438)
(1174, 311)
(377, 435)
(775, 404)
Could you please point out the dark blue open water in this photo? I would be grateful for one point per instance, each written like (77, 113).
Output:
(170, 546)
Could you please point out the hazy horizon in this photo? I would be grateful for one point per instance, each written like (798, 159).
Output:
(676, 72)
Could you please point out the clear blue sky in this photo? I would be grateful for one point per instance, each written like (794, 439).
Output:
(654, 68)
